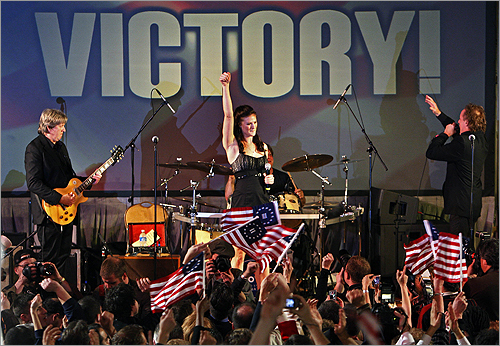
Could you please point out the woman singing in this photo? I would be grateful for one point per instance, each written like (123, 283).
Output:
(246, 153)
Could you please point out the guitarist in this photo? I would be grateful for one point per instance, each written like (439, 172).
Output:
(48, 166)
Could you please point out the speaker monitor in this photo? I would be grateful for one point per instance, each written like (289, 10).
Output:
(392, 252)
(389, 207)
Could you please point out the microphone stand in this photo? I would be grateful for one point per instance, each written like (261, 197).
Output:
(471, 222)
(371, 149)
(131, 144)
(155, 141)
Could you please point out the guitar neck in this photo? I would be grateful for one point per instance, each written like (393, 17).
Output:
(100, 170)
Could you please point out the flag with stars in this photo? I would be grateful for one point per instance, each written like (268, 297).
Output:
(268, 214)
(254, 239)
(183, 282)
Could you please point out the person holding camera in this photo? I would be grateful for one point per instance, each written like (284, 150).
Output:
(351, 275)
(31, 273)
(219, 268)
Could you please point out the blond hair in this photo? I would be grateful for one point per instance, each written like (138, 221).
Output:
(49, 119)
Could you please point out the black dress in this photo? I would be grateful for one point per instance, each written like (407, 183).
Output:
(249, 189)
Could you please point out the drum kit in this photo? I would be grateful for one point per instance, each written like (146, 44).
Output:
(290, 206)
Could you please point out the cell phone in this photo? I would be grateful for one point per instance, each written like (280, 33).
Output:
(376, 280)
(293, 303)
(332, 294)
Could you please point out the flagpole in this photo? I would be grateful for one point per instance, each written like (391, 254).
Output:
(288, 246)
(204, 276)
(460, 261)
(428, 230)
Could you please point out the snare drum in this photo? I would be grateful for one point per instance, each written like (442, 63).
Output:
(289, 203)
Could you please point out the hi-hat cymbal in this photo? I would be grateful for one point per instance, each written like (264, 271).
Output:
(307, 162)
(318, 204)
(174, 165)
(344, 161)
(206, 166)
(198, 201)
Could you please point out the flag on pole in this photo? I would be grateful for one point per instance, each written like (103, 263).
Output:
(449, 262)
(183, 282)
(268, 214)
(419, 255)
(285, 244)
(259, 242)
(443, 250)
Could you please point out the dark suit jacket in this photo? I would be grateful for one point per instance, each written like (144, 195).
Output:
(47, 167)
(458, 155)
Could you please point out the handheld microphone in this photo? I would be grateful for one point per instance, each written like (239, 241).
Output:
(155, 139)
(472, 138)
(341, 96)
(165, 100)
(267, 166)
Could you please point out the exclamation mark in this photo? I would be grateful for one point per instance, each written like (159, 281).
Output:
(430, 52)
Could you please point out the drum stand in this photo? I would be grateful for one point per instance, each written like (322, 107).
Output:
(321, 222)
(193, 211)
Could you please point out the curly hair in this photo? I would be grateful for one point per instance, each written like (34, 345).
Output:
(475, 117)
(240, 113)
(119, 300)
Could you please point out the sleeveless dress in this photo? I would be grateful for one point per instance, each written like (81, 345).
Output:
(249, 190)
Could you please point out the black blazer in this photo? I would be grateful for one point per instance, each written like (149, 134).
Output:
(458, 155)
(48, 166)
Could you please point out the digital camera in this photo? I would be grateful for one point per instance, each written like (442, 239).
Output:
(40, 272)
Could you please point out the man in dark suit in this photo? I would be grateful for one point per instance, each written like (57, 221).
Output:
(48, 166)
(458, 155)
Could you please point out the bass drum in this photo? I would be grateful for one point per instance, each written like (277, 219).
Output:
(289, 203)
(205, 233)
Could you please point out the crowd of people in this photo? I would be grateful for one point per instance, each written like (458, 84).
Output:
(237, 306)
(356, 309)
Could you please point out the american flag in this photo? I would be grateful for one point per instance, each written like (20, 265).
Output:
(178, 285)
(268, 214)
(419, 255)
(439, 249)
(447, 264)
(258, 241)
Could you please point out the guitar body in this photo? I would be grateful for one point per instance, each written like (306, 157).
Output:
(64, 215)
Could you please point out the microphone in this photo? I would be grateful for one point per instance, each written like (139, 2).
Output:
(61, 101)
(472, 138)
(267, 166)
(155, 139)
(341, 96)
(165, 100)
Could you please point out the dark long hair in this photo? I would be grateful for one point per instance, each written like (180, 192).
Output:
(240, 113)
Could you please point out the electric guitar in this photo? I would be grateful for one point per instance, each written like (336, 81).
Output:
(62, 214)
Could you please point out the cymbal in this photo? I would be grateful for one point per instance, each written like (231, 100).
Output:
(174, 165)
(307, 162)
(318, 204)
(198, 201)
(344, 161)
(205, 167)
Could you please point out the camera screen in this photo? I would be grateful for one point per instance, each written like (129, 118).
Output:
(386, 297)
(376, 280)
(290, 303)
